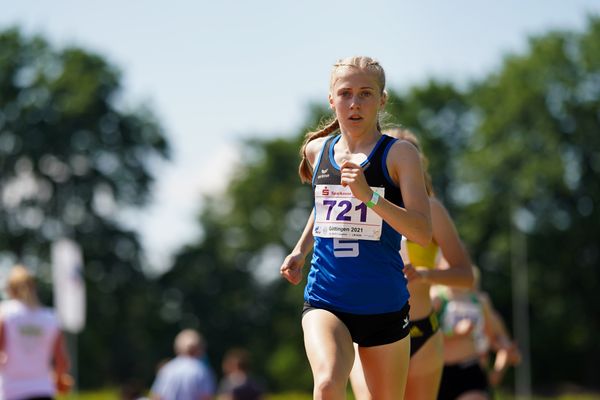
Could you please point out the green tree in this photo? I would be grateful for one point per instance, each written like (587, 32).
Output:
(230, 279)
(71, 160)
(441, 117)
(534, 161)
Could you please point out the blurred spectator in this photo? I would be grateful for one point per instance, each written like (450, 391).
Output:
(185, 377)
(237, 384)
(32, 348)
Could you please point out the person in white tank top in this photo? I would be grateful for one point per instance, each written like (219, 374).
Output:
(33, 360)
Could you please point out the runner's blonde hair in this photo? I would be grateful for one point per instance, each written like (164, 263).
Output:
(21, 286)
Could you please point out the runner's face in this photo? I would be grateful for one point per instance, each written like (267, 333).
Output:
(356, 99)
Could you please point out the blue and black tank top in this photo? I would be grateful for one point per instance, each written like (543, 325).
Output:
(358, 276)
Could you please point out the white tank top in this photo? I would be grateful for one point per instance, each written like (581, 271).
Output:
(30, 334)
(466, 308)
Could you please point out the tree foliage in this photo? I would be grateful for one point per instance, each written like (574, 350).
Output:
(71, 159)
(534, 162)
(230, 280)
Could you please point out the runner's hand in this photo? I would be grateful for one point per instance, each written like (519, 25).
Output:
(413, 274)
(354, 177)
(464, 327)
(64, 383)
(291, 269)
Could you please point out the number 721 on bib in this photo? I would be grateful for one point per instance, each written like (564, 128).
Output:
(338, 214)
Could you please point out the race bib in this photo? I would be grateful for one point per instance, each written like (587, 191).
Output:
(338, 214)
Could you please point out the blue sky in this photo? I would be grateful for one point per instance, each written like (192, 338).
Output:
(216, 72)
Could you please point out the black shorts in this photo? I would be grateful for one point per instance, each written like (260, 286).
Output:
(458, 379)
(421, 330)
(372, 329)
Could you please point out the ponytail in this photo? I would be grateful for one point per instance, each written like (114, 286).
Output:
(305, 169)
